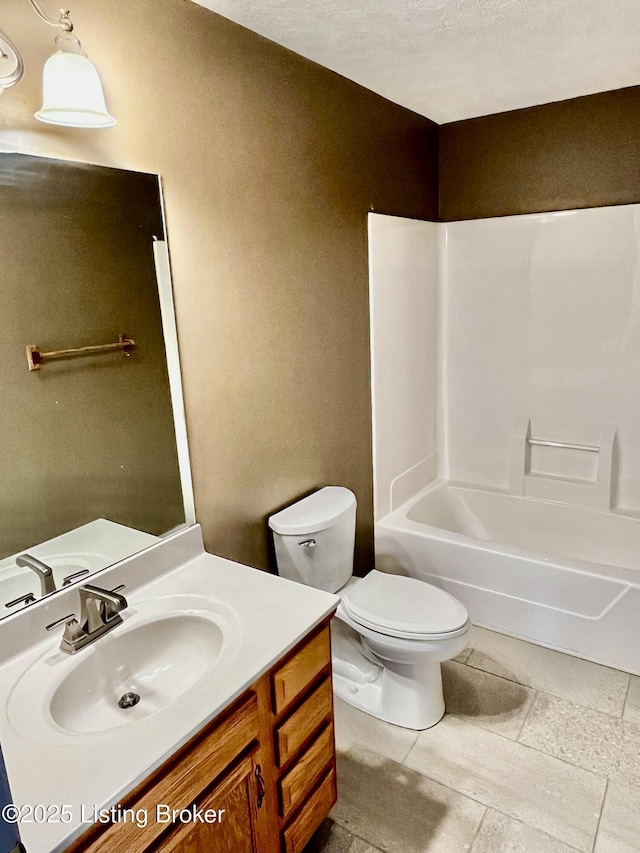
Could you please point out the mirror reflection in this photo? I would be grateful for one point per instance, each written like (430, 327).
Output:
(90, 469)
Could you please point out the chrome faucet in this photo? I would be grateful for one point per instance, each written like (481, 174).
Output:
(99, 613)
(44, 572)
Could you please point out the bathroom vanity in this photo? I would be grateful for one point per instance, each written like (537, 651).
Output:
(260, 774)
(233, 733)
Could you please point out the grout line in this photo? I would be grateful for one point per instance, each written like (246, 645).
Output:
(626, 698)
(458, 658)
(410, 750)
(488, 671)
(603, 776)
(406, 755)
(595, 837)
(526, 716)
(364, 841)
(477, 832)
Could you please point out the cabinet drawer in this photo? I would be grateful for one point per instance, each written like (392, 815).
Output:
(296, 729)
(299, 781)
(311, 815)
(290, 679)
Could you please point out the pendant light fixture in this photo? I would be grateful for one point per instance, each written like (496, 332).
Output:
(72, 91)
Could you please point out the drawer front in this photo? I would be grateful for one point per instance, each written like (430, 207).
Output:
(314, 811)
(296, 729)
(290, 680)
(296, 785)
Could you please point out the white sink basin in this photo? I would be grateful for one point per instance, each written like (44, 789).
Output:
(164, 649)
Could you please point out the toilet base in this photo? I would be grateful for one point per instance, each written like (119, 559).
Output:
(407, 695)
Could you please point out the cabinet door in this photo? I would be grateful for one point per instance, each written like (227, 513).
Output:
(234, 817)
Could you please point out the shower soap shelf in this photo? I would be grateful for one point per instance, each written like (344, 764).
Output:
(596, 492)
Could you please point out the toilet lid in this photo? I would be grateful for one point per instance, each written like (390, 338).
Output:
(403, 605)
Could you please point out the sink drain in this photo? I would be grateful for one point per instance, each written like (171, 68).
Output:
(128, 700)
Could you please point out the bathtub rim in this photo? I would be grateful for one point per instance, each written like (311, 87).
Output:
(398, 519)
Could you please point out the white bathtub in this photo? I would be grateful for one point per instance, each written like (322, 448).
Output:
(562, 576)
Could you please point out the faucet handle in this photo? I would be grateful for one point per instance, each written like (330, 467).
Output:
(74, 576)
(107, 595)
(61, 621)
(72, 630)
(111, 608)
(44, 572)
(29, 598)
(73, 633)
(99, 606)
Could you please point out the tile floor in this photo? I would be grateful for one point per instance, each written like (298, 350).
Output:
(539, 752)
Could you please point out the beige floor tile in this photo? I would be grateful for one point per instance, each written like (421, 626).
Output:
(537, 789)
(586, 738)
(619, 830)
(632, 705)
(330, 838)
(486, 700)
(499, 834)
(577, 680)
(355, 728)
(400, 811)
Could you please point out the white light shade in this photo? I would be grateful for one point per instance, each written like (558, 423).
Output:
(72, 92)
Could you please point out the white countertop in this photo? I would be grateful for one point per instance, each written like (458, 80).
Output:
(50, 767)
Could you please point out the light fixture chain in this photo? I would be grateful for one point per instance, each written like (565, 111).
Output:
(64, 23)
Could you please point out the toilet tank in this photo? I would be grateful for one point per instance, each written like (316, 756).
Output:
(314, 538)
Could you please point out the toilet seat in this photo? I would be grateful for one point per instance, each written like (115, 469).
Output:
(404, 607)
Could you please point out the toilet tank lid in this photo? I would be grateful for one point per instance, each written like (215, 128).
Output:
(316, 512)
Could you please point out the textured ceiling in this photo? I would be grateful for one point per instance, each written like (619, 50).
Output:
(454, 59)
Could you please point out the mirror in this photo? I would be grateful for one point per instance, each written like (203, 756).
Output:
(91, 467)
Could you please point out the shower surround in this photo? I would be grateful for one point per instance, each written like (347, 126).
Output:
(506, 420)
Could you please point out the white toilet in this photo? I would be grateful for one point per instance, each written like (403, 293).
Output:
(390, 633)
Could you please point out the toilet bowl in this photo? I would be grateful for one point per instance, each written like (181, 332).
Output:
(390, 632)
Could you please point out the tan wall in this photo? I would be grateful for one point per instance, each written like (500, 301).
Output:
(269, 165)
(582, 152)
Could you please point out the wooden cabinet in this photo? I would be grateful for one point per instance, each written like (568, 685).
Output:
(232, 805)
(303, 740)
(258, 779)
